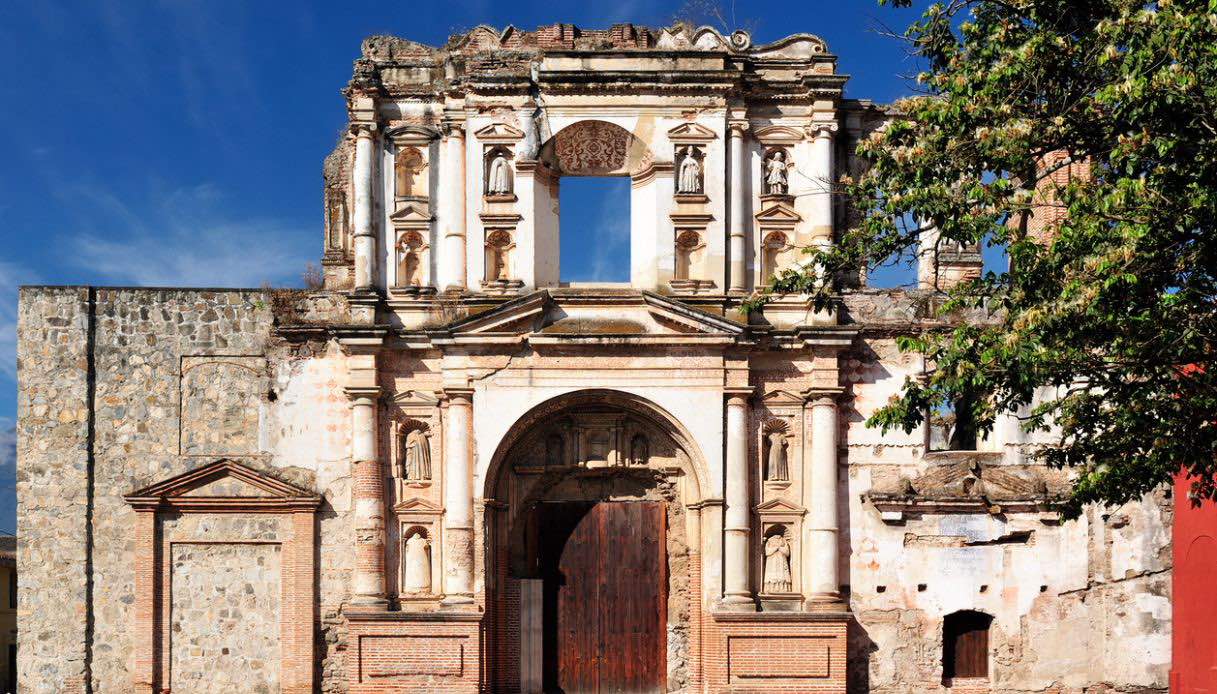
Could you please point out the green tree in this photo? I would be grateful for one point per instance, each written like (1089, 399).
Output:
(1105, 330)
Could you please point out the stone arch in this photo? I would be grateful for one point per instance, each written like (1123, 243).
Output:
(596, 148)
(520, 478)
(693, 463)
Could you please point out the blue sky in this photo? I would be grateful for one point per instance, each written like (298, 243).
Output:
(179, 142)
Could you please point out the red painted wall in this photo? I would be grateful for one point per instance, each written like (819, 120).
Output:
(1194, 630)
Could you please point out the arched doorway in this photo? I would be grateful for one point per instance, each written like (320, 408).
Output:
(592, 551)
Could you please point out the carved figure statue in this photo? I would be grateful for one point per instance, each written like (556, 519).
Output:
(776, 466)
(498, 182)
(418, 456)
(777, 565)
(689, 180)
(417, 564)
(776, 182)
(640, 450)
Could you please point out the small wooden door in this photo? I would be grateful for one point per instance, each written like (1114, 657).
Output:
(605, 600)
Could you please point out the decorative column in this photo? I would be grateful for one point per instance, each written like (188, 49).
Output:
(367, 495)
(738, 246)
(458, 498)
(452, 209)
(821, 569)
(822, 173)
(364, 232)
(736, 526)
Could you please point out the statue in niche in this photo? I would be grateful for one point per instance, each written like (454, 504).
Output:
(689, 180)
(406, 167)
(417, 454)
(687, 244)
(776, 465)
(776, 182)
(409, 265)
(553, 451)
(498, 247)
(498, 181)
(640, 450)
(417, 563)
(777, 564)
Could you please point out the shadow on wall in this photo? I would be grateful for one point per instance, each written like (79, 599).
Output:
(861, 649)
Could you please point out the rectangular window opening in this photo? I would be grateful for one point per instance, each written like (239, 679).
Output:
(594, 228)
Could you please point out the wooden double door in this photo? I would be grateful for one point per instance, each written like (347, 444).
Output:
(604, 616)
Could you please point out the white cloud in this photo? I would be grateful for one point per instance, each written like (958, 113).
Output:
(11, 277)
(187, 240)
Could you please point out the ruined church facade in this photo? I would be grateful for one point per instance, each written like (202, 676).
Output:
(446, 469)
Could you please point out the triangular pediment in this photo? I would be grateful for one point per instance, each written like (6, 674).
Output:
(412, 212)
(415, 397)
(778, 213)
(224, 480)
(780, 506)
(781, 397)
(499, 133)
(416, 506)
(691, 132)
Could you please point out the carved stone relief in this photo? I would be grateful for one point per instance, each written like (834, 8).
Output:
(499, 246)
(777, 577)
(416, 562)
(776, 450)
(689, 178)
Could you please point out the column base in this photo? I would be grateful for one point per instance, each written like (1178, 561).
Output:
(738, 602)
(825, 602)
(457, 599)
(370, 604)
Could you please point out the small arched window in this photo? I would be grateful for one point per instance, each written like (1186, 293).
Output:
(965, 644)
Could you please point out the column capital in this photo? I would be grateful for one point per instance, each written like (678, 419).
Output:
(452, 128)
(820, 397)
(458, 395)
(362, 392)
(826, 129)
(738, 395)
(736, 128)
(363, 128)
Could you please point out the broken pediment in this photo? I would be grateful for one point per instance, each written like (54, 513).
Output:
(412, 212)
(224, 484)
(972, 485)
(560, 317)
(499, 133)
(690, 133)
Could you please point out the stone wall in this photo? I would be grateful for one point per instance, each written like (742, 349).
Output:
(156, 354)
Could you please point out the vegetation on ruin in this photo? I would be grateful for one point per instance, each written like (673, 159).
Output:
(1111, 321)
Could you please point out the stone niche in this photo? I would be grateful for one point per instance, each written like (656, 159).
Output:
(691, 212)
(410, 214)
(225, 583)
(222, 401)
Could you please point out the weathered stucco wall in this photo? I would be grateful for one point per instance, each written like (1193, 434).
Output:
(1076, 604)
(184, 377)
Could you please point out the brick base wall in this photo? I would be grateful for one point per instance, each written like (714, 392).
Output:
(775, 652)
(414, 652)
